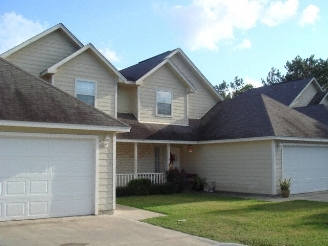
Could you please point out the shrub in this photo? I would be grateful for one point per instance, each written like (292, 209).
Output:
(140, 186)
(176, 179)
(123, 191)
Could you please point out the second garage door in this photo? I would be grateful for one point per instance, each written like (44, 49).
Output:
(307, 166)
(46, 177)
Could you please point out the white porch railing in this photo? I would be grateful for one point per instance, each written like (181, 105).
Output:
(123, 179)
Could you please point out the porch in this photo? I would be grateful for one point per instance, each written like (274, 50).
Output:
(123, 179)
(146, 160)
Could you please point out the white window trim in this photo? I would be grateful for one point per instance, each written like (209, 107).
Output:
(164, 115)
(86, 80)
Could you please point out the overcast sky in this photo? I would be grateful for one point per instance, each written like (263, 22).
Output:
(224, 38)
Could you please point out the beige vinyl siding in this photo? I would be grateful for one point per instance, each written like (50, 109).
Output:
(87, 67)
(105, 176)
(305, 97)
(43, 53)
(201, 101)
(124, 158)
(127, 99)
(278, 166)
(163, 79)
(235, 167)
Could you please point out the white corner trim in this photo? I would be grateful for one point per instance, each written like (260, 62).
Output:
(96, 175)
(63, 126)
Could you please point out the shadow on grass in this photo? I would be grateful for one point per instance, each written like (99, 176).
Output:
(173, 199)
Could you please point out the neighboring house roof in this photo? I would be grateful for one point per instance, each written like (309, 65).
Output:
(148, 131)
(53, 69)
(42, 34)
(25, 98)
(318, 98)
(318, 112)
(285, 92)
(257, 116)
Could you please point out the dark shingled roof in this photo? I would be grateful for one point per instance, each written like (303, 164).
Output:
(257, 116)
(138, 70)
(285, 92)
(147, 131)
(24, 97)
(318, 112)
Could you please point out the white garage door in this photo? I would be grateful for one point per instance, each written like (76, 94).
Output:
(42, 177)
(307, 166)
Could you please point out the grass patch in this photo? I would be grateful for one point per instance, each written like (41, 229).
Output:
(245, 221)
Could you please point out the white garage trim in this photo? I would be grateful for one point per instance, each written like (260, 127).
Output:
(64, 126)
(91, 144)
(273, 153)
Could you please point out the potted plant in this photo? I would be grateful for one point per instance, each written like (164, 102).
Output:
(284, 186)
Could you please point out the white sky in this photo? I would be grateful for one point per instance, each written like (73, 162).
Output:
(224, 38)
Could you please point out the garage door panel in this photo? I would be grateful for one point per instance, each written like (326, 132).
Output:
(15, 188)
(307, 166)
(38, 208)
(49, 184)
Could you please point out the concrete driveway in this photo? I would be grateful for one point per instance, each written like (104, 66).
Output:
(122, 228)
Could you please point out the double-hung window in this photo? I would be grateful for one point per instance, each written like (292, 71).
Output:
(164, 103)
(86, 91)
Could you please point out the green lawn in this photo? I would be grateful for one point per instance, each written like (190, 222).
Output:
(235, 220)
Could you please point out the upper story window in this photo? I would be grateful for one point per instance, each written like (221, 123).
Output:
(86, 91)
(164, 103)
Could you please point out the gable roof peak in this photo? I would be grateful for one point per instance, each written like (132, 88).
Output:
(59, 26)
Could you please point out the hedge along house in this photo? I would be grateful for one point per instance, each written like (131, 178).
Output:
(57, 154)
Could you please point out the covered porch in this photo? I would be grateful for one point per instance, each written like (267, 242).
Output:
(150, 160)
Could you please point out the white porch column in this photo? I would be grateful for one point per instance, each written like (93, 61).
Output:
(168, 151)
(135, 166)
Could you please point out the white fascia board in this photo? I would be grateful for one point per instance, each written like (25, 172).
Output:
(191, 64)
(309, 140)
(41, 35)
(313, 80)
(53, 69)
(64, 126)
(168, 61)
(155, 141)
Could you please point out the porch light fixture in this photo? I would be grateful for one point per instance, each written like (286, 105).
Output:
(106, 141)
(190, 149)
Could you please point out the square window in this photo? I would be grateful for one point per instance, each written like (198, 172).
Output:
(86, 91)
(164, 102)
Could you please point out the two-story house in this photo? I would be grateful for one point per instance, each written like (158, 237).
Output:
(177, 119)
